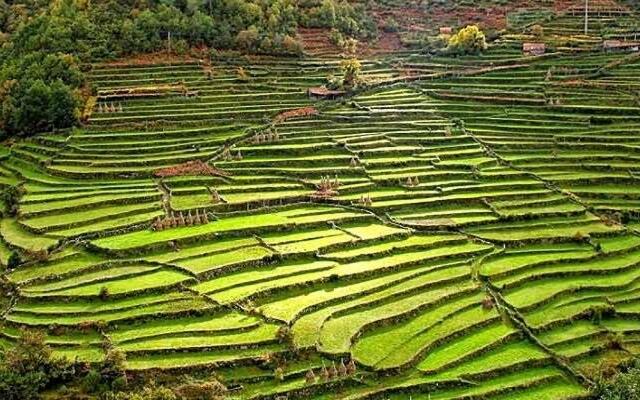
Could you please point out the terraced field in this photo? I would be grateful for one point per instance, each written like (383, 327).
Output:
(464, 228)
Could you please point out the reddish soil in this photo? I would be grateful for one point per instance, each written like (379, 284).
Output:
(415, 18)
(196, 55)
(316, 41)
(296, 112)
(388, 42)
(594, 6)
(195, 167)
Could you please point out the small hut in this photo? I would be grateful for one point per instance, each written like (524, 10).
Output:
(446, 30)
(534, 49)
(321, 92)
(620, 46)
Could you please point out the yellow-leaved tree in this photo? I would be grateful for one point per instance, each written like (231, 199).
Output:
(468, 40)
(351, 72)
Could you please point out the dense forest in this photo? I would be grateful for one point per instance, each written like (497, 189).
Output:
(49, 45)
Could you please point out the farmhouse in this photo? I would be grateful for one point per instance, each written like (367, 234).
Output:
(533, 49)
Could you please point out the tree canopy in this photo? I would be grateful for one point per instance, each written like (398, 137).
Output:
(42, 86)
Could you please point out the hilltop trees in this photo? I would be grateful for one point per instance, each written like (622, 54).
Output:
(42, 86)
(348, 19)
(110, 28)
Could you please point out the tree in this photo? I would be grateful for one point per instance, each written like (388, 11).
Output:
(291, 46)
(64, 106)
(248, 39)
(351, 72)
(32, 108)
(40, 92)
(351, 20)
(29, 367)
(349, 46)
(468, 40)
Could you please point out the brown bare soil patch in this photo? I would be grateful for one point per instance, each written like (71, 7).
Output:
(595, 6)
(316, 42)
(388, 42)
(196, 55)
(296, 112)
(190, 168)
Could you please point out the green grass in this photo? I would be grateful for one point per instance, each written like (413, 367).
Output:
(70, 264)
(188, 359)
(337, 332)
(14, 234)
(173, 306)
(466, 346)
(207, 263)
(209, 323)
(411, 241)
(506, 356)
(157, 279)
(261, 334)
(532, 293)
(279, 278)
(435, 327)
(237, 223)
(100, 275)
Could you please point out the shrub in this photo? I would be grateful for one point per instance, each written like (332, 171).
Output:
(434, 44)
(579, 237)
(17, 386)
(537, 31)
(336, 37)
(242, 75)
(291, 46)
(147, 393)
(14, 260)
(278, 374)
(11, 198)
(349, 46)
(212, 390)
(390, 25)
(113, 368)
(91, 382)
(180, 47)
(104, 293)
(623, 386)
